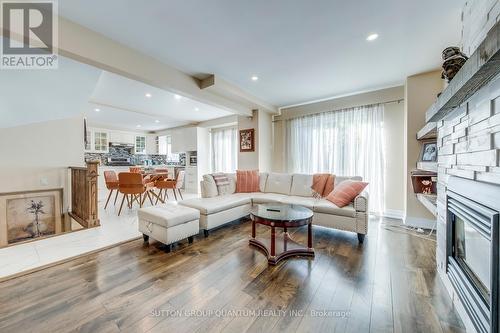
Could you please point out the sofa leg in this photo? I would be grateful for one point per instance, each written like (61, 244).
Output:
(205, 231)
(168, 248)
(145, 237)
(361, 238)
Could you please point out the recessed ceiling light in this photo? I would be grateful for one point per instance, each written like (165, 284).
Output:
(372, 37)
(97, 110)
(138, 126)
(197, 109)
(157, 121)
(177, 96)
(148, 95)
(255, 78)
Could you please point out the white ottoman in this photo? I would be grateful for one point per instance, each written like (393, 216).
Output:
(169, 223)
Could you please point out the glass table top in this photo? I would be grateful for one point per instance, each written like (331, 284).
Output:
(281, 212)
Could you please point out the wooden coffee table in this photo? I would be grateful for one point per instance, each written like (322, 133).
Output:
(282, 216)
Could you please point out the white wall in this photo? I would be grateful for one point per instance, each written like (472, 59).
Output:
(420, 92)
(249, 160)
(37, 156)
(265, 140)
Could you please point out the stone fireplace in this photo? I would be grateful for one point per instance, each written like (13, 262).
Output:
(472, 245)
(468, 206)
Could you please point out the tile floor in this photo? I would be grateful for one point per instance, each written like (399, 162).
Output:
(113, 230)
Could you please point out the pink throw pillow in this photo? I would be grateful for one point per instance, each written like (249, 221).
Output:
(247, 181)
(345, 192)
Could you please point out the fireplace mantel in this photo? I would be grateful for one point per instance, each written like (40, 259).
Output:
(482, 66)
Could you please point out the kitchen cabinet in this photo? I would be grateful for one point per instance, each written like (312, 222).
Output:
(140, 144)
(97, 140)
(122, 137)
(151, 145)
(184, 139)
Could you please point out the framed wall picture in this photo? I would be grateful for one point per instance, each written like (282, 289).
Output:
(30, 215)
(247, 140)
(429, 152)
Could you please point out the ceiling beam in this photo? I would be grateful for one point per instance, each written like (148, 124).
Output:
(84, 45)
(222, 88)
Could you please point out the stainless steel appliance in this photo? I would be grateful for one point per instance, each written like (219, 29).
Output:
(117, 161)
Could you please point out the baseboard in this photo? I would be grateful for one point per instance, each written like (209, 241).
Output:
(394, 214)
(418, 222)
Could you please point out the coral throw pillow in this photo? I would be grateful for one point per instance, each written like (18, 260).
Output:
(247, 181)
(345, 192)
(323, 184)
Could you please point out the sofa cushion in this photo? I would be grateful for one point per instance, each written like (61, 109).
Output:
(326, 207)
(232, 184)
(217, 204)
(247, 181)
(345, 192)
(299, 201)
(209, 188)
(168, 215)
(278, 183)
(259, 197)
(301, 185)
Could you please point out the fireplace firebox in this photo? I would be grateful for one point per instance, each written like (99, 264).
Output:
(473, 250)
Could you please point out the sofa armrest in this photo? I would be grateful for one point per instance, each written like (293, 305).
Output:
(361, 202)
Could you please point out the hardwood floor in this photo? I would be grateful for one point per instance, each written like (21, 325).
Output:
(219, 284)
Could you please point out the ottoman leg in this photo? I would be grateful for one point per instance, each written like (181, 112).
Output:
(190, 239)
(145, 237)
(205, 231)
(361, 238)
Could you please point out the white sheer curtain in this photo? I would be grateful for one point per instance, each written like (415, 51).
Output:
(224, 149)
(346, 143)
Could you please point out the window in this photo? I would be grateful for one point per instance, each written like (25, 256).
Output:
(224, 149)
(347, 142)
(100, 141)
(165, 148)
(140, 145)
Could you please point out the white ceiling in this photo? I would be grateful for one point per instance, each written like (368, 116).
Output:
(30, 96)
(301, 50)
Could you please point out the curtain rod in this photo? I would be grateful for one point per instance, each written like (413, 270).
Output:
(350, 107)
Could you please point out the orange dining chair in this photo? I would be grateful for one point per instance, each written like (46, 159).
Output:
(111, 184)
(170, 184)
(135, 169)
(133, 188)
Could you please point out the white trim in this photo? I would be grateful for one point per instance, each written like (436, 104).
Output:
(394, 214)
(339, 96)
(419, 222)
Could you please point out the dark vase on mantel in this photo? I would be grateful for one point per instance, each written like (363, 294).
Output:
(454, 59)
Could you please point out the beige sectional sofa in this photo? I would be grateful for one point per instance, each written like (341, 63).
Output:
(216, 209)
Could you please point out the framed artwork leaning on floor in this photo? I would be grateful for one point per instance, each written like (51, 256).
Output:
(30, 215)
